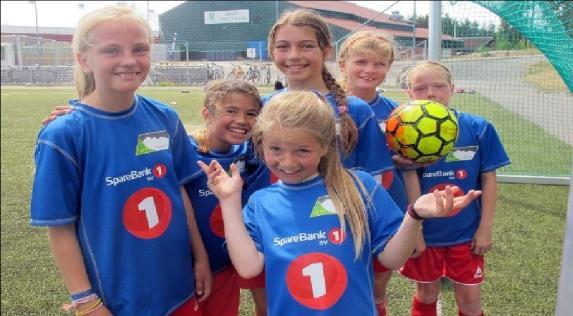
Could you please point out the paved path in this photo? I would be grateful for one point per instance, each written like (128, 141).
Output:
(501, 80)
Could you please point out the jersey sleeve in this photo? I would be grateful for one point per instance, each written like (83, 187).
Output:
(369, 157)
(251, 224)
(56, 191)
(384, 216)
(493, 155)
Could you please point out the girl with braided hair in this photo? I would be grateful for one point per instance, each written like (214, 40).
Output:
(299, 44)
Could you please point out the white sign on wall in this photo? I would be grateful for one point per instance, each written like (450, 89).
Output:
(251, 52)
(223, 17)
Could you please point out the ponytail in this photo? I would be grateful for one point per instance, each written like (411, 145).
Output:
(348, 131)
(201, 139)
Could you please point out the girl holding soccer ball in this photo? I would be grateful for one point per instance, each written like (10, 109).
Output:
(454, 246)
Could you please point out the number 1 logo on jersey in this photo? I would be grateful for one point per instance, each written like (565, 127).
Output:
(147, 213)
(316, 280)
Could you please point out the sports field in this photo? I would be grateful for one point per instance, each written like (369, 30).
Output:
(522, 269)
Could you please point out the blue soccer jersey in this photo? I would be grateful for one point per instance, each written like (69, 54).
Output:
(478, 149)
(207, 209)
(382, 108)
(310, 266)
(366, 155)
(117, 177)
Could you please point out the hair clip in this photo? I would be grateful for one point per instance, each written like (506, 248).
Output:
(342, 109)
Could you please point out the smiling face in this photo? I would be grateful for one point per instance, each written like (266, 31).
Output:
(231, 122)
(298, 55)
(364, 71)
(292, 154)
(118, 56)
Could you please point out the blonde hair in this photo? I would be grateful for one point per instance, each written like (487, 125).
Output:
(215, 93)
(85, 83)
(372, 42)
(428, 65)
(308, 18)
(311, 112)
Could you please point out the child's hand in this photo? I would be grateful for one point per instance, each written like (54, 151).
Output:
(219, 181)
(482, 241)
(59, 110)
(403, 163)
(441, 203)
(203, 279)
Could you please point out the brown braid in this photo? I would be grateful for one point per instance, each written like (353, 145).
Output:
(348, 129)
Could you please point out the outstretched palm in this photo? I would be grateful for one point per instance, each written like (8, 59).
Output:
(220, 182)
(441, 203)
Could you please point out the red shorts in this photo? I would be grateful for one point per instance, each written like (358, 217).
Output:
(456, 262)
(378, 267)
(188, 308)
(252, 283)
(225, 295)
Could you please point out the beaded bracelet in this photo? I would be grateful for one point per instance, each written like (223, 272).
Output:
(412, 212)
(90, 309)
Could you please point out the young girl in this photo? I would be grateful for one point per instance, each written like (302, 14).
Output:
(299, 44)
(456, 244)
(107, 182)
(315, 231)
(230, 110)
(364, 60)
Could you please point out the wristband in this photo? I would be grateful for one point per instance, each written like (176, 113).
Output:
(78, 296)
(412, 212)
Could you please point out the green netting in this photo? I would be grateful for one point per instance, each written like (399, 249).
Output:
(547, 24)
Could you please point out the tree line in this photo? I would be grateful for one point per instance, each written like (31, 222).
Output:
(506, 37)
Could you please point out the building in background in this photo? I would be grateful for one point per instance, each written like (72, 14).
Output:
(222, 30)
(231, 30)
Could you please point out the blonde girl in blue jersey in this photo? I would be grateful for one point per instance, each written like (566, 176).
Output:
(316, 230)
(299, 43)
(108, 183)
(364, 60)
(454, 247)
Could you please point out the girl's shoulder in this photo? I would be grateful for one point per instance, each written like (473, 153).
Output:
(364, 177)
(387, 101)
(470, 117)
(67, 125)
(155, 104)
(355, 101)
(359, 109)
(266, 195)
(357, 104)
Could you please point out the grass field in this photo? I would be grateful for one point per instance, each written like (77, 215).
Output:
(522, 269)
(545, 78)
